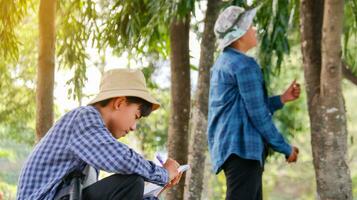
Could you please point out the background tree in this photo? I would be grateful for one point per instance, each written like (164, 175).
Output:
(72, 33)
(198, 139)
(321, 31)
(46, 67)
(332, 110)
(180, 97)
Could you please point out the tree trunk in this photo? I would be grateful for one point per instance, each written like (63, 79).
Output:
(198, 147)
(333, 175)
(180, 98)
(46, 68)
(322, 69)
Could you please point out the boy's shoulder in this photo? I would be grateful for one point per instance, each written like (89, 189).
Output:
(85, 109)
(82, 111)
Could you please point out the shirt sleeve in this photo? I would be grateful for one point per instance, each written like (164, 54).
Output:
(251, 90)
(93, 143)
(275, 103)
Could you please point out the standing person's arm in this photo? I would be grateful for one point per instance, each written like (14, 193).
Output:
(250, 85)
(275, 103)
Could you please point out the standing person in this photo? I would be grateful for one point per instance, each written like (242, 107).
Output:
(240, 125)
(87, 136)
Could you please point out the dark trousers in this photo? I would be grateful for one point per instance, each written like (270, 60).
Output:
(123, 187)
(244, 178)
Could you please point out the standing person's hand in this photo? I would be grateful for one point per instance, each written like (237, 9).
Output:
(292, 93)
(294, 155)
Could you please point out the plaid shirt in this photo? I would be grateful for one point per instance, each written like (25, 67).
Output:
(240, 113)
(77, 139)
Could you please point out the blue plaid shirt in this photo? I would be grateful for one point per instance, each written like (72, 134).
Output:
(240, 112)
(77, 139)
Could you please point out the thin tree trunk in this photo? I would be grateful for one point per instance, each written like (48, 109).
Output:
(311, 12)
(198, 147)
(325, 103)
(333, 175)
(46, 68)
(180, 98)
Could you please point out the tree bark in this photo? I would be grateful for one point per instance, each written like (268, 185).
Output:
(198, 146)
(322, 70)
(46, 68)
(180, 98)
(311, 12)
(333, 175)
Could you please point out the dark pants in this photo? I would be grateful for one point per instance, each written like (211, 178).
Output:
(126, 187)
(123, 187)
(244, 178)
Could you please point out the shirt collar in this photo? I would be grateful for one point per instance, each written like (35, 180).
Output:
(234, 50)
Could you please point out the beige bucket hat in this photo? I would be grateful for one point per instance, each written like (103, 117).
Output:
(124, 82)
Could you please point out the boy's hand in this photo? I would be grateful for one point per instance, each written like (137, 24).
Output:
(171, 166)
(172, 183)
(294, 155)
(292, 93)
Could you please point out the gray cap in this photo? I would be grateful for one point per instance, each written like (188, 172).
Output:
(232, 24)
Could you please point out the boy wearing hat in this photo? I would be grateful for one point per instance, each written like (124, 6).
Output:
(87, 136)
(240, 125)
